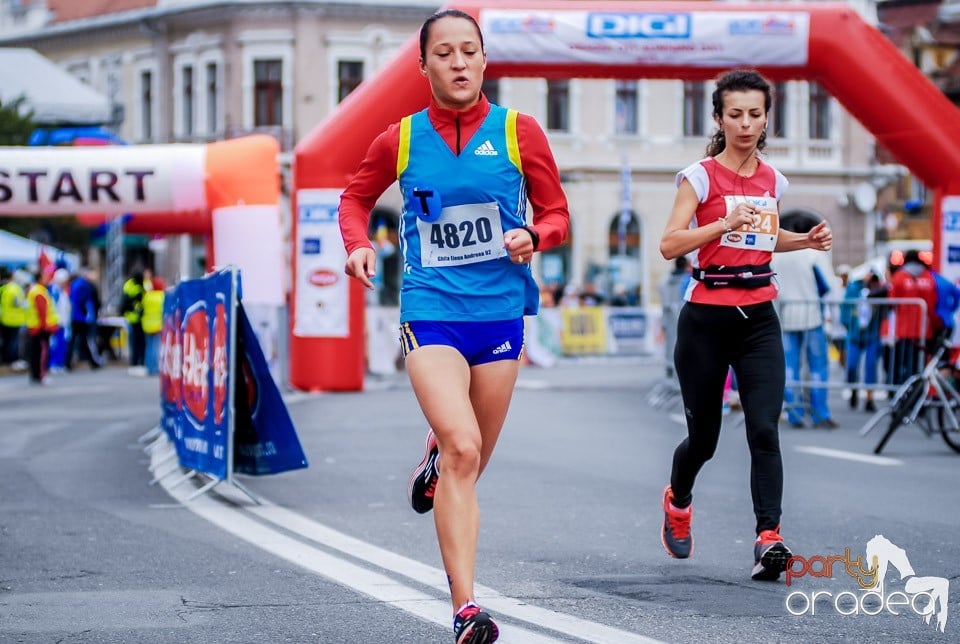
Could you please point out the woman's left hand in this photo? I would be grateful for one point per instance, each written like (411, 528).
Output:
(519, 245)
(820, 237)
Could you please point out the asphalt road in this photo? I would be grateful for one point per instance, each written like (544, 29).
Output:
(91, 551)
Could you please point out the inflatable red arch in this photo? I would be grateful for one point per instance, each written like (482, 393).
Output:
(827, 43)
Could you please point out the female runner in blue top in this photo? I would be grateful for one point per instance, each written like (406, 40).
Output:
(466, 170)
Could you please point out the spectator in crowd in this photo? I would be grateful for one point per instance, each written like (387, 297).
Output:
(802, 276)
(671, 299)
(948, 301)
(131, 307)
(42, 322)
(59, 289)
(836, 332)
(84, 312)
(13, 315)
(914, 326)
(861, 314)
(152, 323)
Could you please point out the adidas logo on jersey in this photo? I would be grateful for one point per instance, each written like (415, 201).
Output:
(503, 348)
(486, 149)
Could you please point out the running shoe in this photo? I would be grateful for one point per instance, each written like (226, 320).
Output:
(474, 626)
(675, 534)
(770, 555)
(423, 481)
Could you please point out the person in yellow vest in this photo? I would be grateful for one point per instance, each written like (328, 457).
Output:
(13, 315)
(152, 322)
(42, 322)
(131, 306)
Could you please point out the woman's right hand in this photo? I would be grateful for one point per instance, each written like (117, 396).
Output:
(362, 264)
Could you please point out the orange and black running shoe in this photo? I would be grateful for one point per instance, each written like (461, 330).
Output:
(675, 534)
(770, 555)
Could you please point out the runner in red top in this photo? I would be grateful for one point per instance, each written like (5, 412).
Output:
(726, 214)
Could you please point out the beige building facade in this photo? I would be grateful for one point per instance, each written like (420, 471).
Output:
(205, 70)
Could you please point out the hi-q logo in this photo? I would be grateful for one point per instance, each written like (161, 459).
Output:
(195, 365)
(171, 355)
(924, 596)
(221, 362)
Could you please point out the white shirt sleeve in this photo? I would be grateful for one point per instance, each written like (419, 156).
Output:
(782, 184)
(696, 174)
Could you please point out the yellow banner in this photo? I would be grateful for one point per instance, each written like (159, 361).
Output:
(584, 331)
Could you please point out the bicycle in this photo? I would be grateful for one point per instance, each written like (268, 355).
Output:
(929, 400)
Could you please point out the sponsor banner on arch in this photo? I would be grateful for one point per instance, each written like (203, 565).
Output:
(322, 295)
(674, 38)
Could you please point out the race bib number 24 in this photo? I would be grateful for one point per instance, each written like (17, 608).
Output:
(763, 234)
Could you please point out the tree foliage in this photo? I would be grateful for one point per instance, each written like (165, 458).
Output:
(16, 122)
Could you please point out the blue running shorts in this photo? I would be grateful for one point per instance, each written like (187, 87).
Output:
(477, 342)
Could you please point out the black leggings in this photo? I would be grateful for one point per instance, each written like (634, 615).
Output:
(710, 339)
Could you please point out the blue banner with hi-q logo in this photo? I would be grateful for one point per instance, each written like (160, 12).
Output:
(195, 370)
(198, 367)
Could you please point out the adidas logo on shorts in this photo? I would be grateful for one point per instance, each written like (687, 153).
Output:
(486, 149)
(503, 348)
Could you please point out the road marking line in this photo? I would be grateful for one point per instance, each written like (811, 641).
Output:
(346, 574)
(848, 456)
(433, 577)
(235, 520)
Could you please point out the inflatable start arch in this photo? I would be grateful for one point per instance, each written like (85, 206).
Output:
(229, 188)
(828, 43)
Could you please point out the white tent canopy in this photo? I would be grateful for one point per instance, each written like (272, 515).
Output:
(52, 93)
(17, 251)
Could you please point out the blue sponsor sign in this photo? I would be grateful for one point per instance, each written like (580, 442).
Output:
(953, 254)
(639, 25)
(628, 326)
(213, 431)
(265, 441)
(951, 220)
(194, 375)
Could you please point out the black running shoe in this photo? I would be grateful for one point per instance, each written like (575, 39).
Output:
(423, 481)
(770, 555)
(474, 626)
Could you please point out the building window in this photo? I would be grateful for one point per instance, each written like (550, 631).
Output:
(491, 89)
(558, 105)
(267, 92)
(694, 101)
(349, 76)
(187, 100)
(146, 105)
(819, 112)
(212, 91)
(777, 119)
(627, 101)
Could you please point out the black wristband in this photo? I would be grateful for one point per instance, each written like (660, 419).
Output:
(533, 236)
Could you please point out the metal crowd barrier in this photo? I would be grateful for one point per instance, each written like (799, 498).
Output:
(881, 311)
(878, 342)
